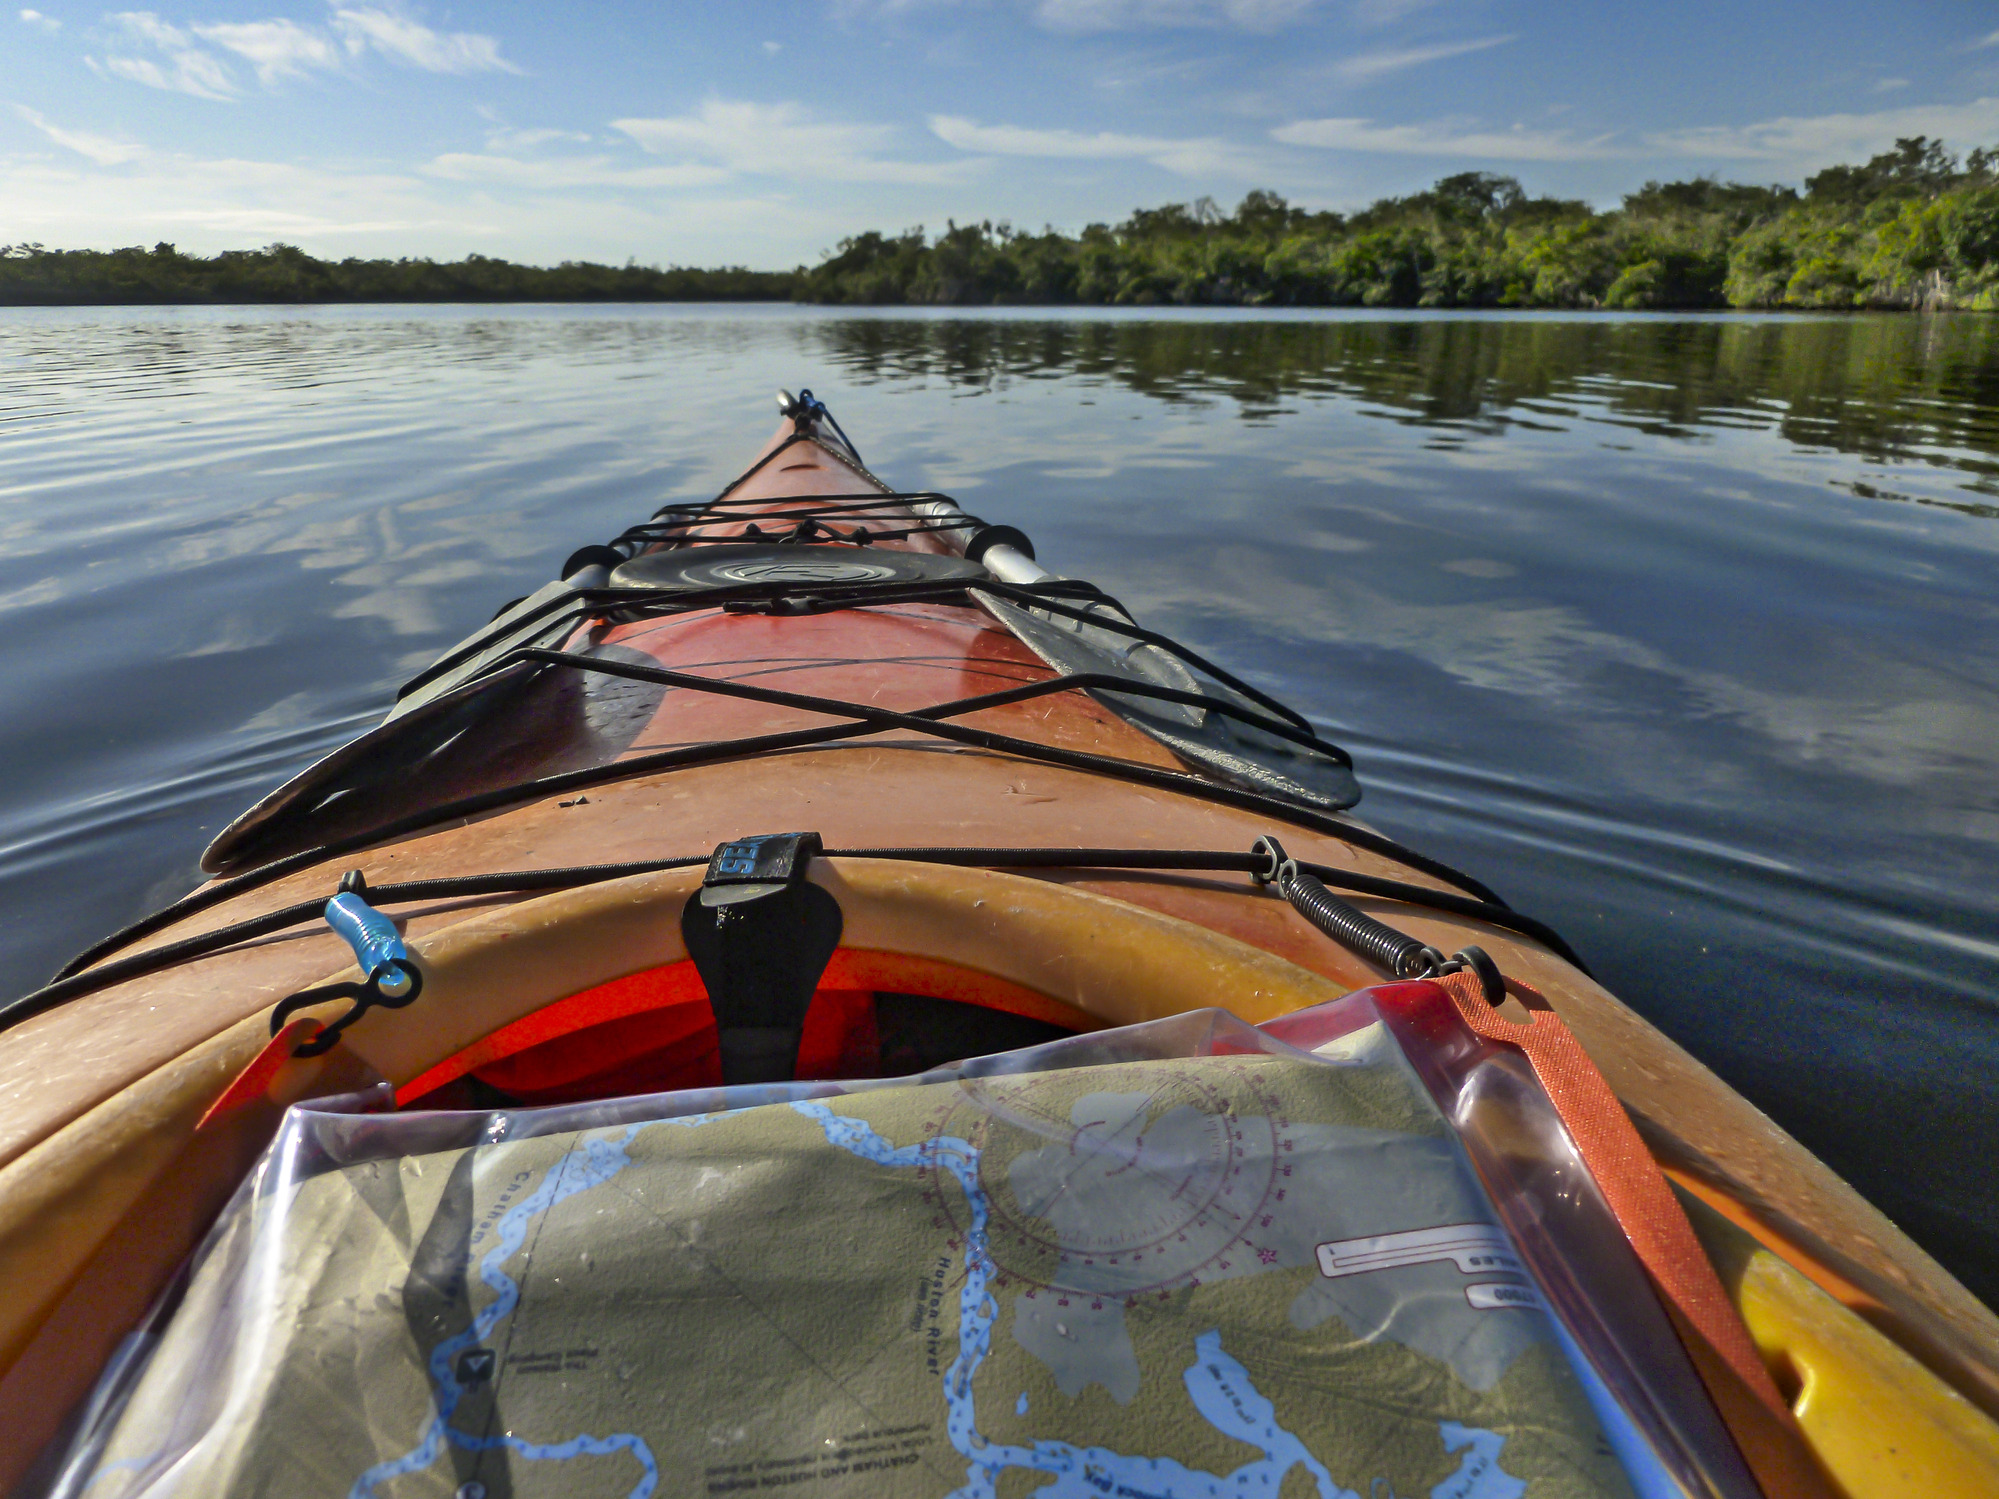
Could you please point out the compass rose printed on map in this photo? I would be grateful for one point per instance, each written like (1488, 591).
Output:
(1177, 1279)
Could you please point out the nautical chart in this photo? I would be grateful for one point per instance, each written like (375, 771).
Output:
(1212, 1276)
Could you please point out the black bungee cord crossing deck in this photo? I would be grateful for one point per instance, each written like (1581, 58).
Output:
(669, 526)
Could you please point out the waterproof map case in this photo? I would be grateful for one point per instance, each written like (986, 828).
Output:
(1177, 1259)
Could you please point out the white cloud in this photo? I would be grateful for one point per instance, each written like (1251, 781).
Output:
(1129, 15)
(1805, 144)
(785, 140)
(506, 138)
(565, 173)
(1371, 65)
(1888, 85)
(416, 44)
(205, 205)
(281, 48)
(1190, 158)
(276, 48)
(1015, 140)
(225, 203)
(1797, 144)
(36, 19)
(1990, 39)
(1445, 138)
(771, 49)
(869, 10)
(184, 68)
(99, 148)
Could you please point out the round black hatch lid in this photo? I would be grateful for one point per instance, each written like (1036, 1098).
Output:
(694, 569)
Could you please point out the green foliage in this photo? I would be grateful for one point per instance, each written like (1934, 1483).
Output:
(1917, 167)
(30, 274)
(1913, 227)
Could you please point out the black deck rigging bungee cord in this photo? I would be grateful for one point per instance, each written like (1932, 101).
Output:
(792, 597)
(1099, 681)
(1482, 904)
(866, 719)
(674, 523)
(1257, 862)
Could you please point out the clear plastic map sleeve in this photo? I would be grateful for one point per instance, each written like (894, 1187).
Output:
(1178, 1259)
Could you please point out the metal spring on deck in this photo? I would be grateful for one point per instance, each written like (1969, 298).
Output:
(1398, 952)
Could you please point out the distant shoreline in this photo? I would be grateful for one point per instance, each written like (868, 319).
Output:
(1914, 229)
(1582, 311)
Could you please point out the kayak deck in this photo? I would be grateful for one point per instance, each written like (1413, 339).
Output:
(99, 1093)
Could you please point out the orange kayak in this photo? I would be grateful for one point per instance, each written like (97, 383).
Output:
(824, 823)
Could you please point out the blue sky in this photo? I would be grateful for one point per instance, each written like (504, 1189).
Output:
(761, 134)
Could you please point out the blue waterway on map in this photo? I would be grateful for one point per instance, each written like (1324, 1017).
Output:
(1221, 1389)
(595, 1163)
(1219, 1386)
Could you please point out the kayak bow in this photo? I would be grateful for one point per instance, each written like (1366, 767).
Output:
(820, 784)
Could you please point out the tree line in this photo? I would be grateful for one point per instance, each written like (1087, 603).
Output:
(1915, 227)
(31, 275)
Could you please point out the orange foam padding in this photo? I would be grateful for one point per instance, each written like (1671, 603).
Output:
(630, 1034)
(676, 985)
(1757, 1415)
(694, 1060)
(595, 1049)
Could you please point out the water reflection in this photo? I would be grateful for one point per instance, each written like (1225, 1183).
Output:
(1885, 389)
(1681, 632)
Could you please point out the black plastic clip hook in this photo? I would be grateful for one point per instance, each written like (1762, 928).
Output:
(393, 979)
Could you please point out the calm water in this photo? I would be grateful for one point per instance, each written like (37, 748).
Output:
(1684, 633)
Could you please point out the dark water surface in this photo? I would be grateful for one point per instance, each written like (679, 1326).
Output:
(1682, 632)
